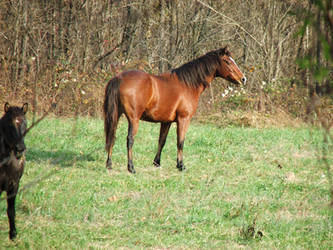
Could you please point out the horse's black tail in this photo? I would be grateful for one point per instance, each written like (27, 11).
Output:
(111, 111)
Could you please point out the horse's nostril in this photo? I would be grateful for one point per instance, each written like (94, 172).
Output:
(244, 79)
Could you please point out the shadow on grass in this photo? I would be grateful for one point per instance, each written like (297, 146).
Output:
(63, 158)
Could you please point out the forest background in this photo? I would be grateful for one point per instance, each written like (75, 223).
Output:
(65, 51)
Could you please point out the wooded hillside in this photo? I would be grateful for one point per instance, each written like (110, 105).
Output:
(64, 51)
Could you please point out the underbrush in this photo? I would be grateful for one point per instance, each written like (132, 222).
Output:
(279, 103)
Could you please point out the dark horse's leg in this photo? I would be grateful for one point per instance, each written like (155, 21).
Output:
(11, 196)
(133, 126)
(161, 141)
(182, 126)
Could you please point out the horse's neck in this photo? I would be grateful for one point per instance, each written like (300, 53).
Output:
(200, 89)
(210, 78)
(1, 127)
(3, 149)
(207, 83)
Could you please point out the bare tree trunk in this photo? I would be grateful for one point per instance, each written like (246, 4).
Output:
(23, 59)
(271, 38)
(86, 36)
(16, 66)
(162, 65)
(129, 30)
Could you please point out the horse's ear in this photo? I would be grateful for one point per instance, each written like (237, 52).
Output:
(6, 108)
(226, 50)
(223, 51)
(25, 107)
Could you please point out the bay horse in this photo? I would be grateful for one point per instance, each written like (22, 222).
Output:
(166, 98)
(13, 126)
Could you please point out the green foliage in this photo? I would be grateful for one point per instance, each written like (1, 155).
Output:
(326, 49)
(256, 188)
(318, 19)
(236, 101)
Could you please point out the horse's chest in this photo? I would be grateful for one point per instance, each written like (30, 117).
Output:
(11, 172)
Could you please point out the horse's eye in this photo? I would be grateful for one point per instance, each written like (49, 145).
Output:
(227, 62)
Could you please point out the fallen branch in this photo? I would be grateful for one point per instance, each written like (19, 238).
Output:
(53, 106)
(105, 55)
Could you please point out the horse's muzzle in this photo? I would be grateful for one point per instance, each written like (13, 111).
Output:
(19, 150)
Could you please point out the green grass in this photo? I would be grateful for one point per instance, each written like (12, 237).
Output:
(243, 188)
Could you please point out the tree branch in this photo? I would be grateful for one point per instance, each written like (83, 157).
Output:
(233, 22)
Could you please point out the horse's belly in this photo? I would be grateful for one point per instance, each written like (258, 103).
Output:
(158, 116)
(147, 118)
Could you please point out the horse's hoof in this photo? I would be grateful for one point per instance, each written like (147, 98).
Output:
(181, 167)
(131, 169)
(156, 164)
(109, 164)
(109, 171)
(12, 235)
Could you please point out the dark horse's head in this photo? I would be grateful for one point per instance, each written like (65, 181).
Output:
(13, 126)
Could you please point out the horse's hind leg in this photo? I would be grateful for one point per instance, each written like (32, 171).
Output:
(182, 126)
(133, 126)
(110, 142)
(161, 141)
(109, 148)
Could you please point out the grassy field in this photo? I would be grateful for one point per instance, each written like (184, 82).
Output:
(243, 188)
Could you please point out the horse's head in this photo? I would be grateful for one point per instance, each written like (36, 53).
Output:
(228, 68)
(14, 126)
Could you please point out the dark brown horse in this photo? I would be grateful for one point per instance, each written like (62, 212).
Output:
(13, 127)
(166, 98)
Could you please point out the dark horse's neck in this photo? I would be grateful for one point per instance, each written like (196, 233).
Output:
(4, 152)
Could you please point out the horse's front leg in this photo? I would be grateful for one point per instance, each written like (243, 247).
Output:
(11, 196)
(182, 126)
(161, 142)
(133, 126)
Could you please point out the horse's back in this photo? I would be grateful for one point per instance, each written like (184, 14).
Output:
(133, 80)
(135, 86)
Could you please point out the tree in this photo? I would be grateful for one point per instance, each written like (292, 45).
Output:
(319, 62)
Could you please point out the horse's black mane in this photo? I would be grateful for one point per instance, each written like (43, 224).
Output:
(195, 72)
